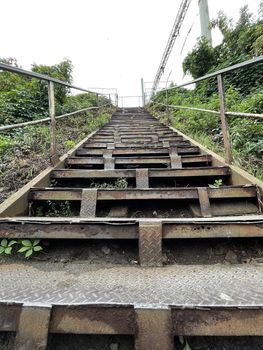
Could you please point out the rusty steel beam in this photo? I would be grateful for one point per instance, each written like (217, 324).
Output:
(123, 152)
(135, 133)
(107, 228)
(75, 194)
(93, 320)
(138, 321)
(139, 160)
(140, 144)
(140, 150)
(128, 173)
(218, 322)
(136, 139)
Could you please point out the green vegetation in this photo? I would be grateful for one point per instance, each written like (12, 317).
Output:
(6, 246)
(54, 209)
(118, 184)
(29, 247)
(23, 98)
(24, 152)
(243, 92)
(218, 183)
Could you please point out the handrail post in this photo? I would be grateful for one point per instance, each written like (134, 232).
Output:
(143, 95)
(166, 106)
(52, 114)
(224, 124)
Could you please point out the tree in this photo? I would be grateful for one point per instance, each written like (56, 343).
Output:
(240, 42)
(23, 98)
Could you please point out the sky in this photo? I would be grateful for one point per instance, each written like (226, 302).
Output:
(112, 43)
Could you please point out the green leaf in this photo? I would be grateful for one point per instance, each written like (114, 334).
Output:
(23, 249)
(8, 250)
(4, 242)
(2, 249)
(36, 241)
(11, 243)
(29, 253)
(37, 248)
(26, 243)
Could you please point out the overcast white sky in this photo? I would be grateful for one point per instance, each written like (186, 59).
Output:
(112, 43)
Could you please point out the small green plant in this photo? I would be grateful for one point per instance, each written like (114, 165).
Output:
(6, 246)
(218, 183)
(29, 247)
(119, 183)
(70, 143)
(57, 209)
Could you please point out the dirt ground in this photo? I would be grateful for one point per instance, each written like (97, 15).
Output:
(220, 343)
(120, 342)
(125, 252)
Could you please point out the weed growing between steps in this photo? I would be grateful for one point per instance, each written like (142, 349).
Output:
(26, 247)
(118, 184)
(24, 152)
(51, 208)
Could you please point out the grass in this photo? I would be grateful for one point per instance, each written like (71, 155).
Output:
(243, 134)
(24, 152)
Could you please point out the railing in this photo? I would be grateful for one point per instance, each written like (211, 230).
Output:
(221, 92)
(51, 101)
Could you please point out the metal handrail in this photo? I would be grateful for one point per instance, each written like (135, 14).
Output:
(51, 101)
(252, 61)
(221, 92)
(39, 76)
(43, 120)
(236, 114)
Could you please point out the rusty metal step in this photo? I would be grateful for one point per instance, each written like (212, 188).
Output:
(211, 172)
(136, 138)
(121, 301)
(139, 160)
(137, 149)
(185, 145)
(89, 198)
(50, 193)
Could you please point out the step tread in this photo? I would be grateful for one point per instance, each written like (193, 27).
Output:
(178, 286)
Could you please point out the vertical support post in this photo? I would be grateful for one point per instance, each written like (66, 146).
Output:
(143, 96)
(154, 329)
(224, 124)
(117, 100)
(110, 99)
(52, 114)
(32, 332)
(166, 106)
(166, 102)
